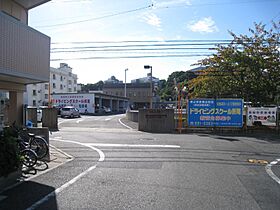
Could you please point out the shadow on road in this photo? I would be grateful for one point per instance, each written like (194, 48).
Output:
(25, 195)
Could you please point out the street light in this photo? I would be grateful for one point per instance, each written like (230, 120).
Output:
(125, 82)
(151, 84)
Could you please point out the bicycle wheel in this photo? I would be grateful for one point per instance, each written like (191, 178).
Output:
(40, 146)
(29, 157)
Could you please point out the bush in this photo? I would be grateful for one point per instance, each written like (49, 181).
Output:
(9, 153)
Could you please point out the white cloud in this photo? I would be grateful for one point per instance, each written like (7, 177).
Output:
(153, 20)
(205, 25)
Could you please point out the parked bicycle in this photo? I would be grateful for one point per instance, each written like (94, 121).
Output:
(28, 155)
(37, 143)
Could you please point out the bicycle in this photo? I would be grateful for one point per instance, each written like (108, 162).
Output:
(37, 143)
(28, 155)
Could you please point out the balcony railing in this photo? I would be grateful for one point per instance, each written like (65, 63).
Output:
(24, 52)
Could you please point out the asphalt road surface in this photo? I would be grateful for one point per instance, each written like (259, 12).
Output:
(118, 167)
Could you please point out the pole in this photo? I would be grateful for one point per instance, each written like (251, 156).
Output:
(49, 98)
(125, 82)
(151, 87)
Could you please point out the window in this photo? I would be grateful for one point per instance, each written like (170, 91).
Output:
(53, 76)
(46, 86)
(69, 82)
(75, 81)
(69, 90)
(75, 89)
(46, 96)
(61, 78)
(34, 102)
(53, 85)
(34, 93)
(61, 87)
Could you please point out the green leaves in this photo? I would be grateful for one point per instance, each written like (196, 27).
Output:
(249, 67)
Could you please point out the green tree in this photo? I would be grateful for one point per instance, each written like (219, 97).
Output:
(167, 91)
(95, 86)
(249, 67)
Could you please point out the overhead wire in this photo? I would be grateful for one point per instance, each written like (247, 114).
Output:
(97, 18)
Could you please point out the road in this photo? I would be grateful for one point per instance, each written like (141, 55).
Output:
(117, 167)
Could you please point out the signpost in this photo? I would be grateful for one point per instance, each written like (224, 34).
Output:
(215, 113)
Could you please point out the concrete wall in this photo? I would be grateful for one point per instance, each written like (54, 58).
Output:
(156, 120)
(49, 118)
(132, 115)
(32, 116)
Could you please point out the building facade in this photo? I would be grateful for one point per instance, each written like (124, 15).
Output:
(61, 80)
(24, 56)
(139, 94)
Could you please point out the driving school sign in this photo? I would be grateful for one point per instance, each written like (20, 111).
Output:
(215, 113)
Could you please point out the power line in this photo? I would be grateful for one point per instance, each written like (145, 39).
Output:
(126, 46)
(97, 18)
(143, 41)
(132, 49)
(127, 57)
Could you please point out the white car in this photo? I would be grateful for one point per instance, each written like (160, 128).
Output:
(69, 111)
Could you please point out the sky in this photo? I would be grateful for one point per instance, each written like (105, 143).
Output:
(102, 38)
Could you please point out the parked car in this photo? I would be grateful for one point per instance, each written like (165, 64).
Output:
(69, 111)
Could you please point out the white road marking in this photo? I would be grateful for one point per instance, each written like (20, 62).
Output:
(125, 124)
(270, 172)
(78, 121)
(133, 145)
(72, 181)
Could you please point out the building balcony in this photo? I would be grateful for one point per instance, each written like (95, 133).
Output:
(24, 53)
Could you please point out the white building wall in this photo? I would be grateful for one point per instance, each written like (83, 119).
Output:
(62, 80)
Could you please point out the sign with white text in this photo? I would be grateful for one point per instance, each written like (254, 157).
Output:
(215, 113)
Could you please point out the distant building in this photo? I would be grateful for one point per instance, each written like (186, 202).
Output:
(146, 79)
(112, 80)
(139, 94)
(62, 80)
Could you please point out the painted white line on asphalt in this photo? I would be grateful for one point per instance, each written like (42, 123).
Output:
(78, 121)
(270, 172)
(60, 189)
(125, 124)
(133, 145)
(72, 181)
(101, 154)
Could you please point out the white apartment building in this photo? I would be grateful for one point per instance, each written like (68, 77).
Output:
(62, 80)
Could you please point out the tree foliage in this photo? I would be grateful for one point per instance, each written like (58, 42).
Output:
(249, 67)
(95, 86)
(167, 91)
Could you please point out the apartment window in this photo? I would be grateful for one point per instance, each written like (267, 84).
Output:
(61, 78)
(34, 102)
(69, 90)
(75, 89)
(61, 87)
(53, 85)
(75, 81)
(34, 93)
(46, 96)
(70, 82)
(53, 76)
(46, 86)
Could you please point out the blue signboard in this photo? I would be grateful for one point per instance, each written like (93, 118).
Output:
(215, 113)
